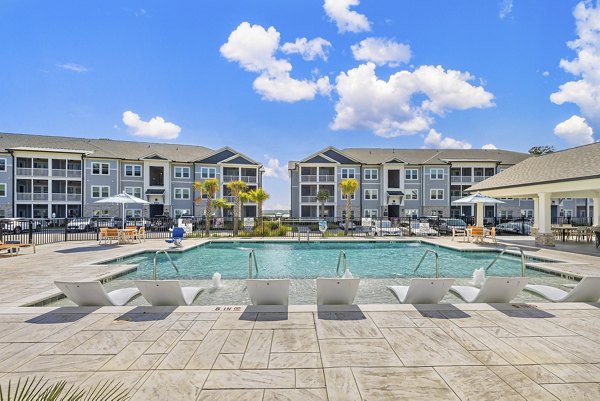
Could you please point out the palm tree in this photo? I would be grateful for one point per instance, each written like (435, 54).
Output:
(221, 204)
(322, 197)
(244, 198)
(210, 188)
(259, 196)
(349, 187)
(236, 188)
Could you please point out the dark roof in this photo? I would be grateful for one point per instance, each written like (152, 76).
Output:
(434, 156)
(566, 165)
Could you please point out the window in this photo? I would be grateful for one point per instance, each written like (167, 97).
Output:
(351, 214)
(182, 212)
(2, 213)
(371, 174)
(133, 213)
(436, 194)
(182, 193)
(2, 190)
(100, 213)
(411, 174)
(100, 168)
(371, 194)
(568, 213)
(343, 197)
(134, 191)
(208, 172)
(2, 164)
(527, 213)
(411, 212)
(347, 173)
(100, 191)
(133, 170)
(412, 194)
(506, 214)
(436, 173)
(182, 172)
(156, 176)
(372, 213)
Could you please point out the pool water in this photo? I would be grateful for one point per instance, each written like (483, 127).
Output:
(319, 259)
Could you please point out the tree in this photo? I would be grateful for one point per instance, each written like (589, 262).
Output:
(541, 150)
(322, 197)
(236, 188)
(221, 204)
(259, 196)
(349, 187)
(210, 188)
(244, 198)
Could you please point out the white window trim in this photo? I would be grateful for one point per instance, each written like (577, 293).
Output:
(371, 191)
(415, 191)
(437, 191)
(208, 170)
(437, 177)
(183, 190)
(353, 196)
(3, 185)
(100, 168)
(99, 191)
(182, 168)
(178, 212)
(131, 192)
(5, 164)
(135, 213)
(348, 169)
(411, 169)
(371, 170)
(133, 174)
(370, 213)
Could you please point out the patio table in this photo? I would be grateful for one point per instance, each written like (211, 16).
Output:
(127, 234)
(563, 231)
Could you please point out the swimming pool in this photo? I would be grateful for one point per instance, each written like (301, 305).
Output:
(319, 259)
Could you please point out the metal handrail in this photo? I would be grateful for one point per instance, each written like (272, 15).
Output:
(251, 256)
(502, 253)
(437, 269)
(342, 254)
(170, 260)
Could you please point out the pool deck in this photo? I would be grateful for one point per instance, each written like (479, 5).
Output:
(537, 351)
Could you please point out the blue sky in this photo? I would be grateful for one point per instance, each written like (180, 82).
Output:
(383, 73)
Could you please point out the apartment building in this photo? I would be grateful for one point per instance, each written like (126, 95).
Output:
(400, 182)
(45, 176)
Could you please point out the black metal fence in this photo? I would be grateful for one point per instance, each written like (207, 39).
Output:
(45, 231)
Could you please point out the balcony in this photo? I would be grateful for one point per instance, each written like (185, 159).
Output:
(249, 179)
(313, 199)
(56, 172)
(40, 172)
(326, 178)
(73, 197)
(74, 173)
(24, 196)
(453, 198)
(40, 196)
(229, 178)
(230, 199)
(308, 178)
(479, 178)
(461, 178)
(26, 171)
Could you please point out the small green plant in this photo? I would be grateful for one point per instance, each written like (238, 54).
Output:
(38, 389)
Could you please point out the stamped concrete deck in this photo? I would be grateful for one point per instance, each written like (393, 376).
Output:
(380, 352)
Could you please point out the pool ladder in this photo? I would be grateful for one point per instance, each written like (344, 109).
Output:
(342, 255)
(437, 269)
(502, 253)
(252, 257)
(170, 260)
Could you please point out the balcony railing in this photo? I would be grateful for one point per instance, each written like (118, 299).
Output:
(24, 171)
(479, 178)
(453, 198)
(461, 178)
(326, 178)
(308, 178)
(228, 178)
(74, 173)
(24, 196)
(313, 199)
(40, 172)
(229, 199)
(249, 178)
(61, 197)
(61, 172)
(40, 196)
(74, 197)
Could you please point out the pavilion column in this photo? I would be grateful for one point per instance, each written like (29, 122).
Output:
(544, 235)
(596, 211)
(536, 214)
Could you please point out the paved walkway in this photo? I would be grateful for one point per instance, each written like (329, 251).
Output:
(380, 352)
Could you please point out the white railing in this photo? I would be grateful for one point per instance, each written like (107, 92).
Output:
(453, 198)
(326, 178)
(228, 178)
(74, 173)
(40, 172)
(74, 197)
(56, 172)
(308, 178)
(308, 199)
(24, 196)
(24, 171)
(249, 178)
(59, 197)
(40, 196)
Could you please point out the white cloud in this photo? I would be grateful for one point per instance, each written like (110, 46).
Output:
(489, 146)
(545, 74)
(254, 47)
(157, 127)
(585, 92)
(346, 20)
(274, 169)
(387, 107)
(575, 131)
(74, 67)
(382, 51)
(505, 8)
(308, 49)
(434, 140)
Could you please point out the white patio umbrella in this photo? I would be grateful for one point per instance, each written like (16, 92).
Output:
(479, 199)
(123, 199)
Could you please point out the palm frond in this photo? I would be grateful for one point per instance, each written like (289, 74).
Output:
(38, 389)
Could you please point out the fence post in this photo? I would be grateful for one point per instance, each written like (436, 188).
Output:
(409, 226)
(31, 228)
(66, 232)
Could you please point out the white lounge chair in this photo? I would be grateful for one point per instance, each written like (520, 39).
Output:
(587, 290)
(493, 290)
(92, 293)
(268, 292)
(167, 292)
(422, 290)
(336, 291)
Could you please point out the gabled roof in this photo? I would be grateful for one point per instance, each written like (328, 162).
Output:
(334, 155)
(226, 155)
(567, 165)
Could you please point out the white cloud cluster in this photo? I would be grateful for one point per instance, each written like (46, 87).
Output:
(575, 131)
(489, 146)
(345, 19)
(157, 127)
(73, 67)
(387, 107)
(585, 92)
(308, 49)
(382, 51)
(274, 169)
(505, 8)
(434, 140)
(254, 47)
